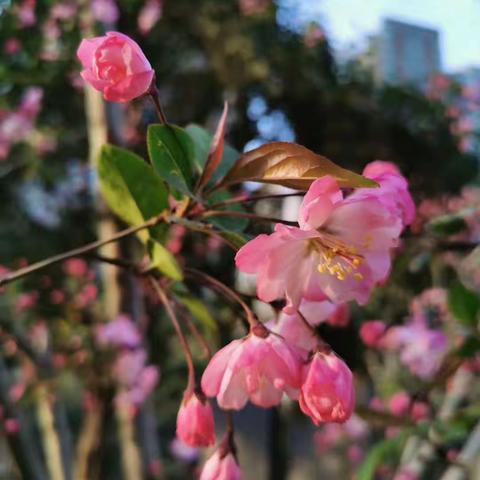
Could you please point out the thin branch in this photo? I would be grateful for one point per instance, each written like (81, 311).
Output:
(253, 216)
(173, 317)
(77, 252)
(246, 199)
(197, 334)
(252, 320)
(154, 96)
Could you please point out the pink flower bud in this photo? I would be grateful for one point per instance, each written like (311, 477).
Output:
(400, 403)
(259, 368)
(116, 66)
(371, 332)
(327, 393)
(221, 467)
(195, 424)
(76, 267)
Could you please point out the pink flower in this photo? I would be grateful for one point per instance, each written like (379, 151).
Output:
(121, 332)
(340, 316)
(341, 250)
(293, 329)
(253, 7)
(149, 15)
(183, 452)
(327, 393)
(393, 188)
(221, 466)
(400, 403)
(421, 349)
(371, 332)
(26, 13)
(195, 424)
(76, 267)
(26, 301)
(259, 368)
(105, 11)
(12, 45)
(115, 65)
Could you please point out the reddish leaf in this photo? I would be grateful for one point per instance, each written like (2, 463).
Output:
(216, 151)
(290, 165)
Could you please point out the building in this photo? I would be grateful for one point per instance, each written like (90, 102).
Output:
(407, 54)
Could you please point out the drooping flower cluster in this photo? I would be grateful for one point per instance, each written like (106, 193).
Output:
(341, 249)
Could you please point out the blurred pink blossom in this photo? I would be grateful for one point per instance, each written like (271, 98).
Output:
(12, 46)
(26, 301)
(184, 452)
(76, 267)
(26, 13)
(121, 332)
(105, 11)
(253, 7)
(371, 332)
(149, 15)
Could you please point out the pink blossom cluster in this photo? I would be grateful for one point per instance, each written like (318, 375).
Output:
(136, 380)
(341, 249)
(17, 125)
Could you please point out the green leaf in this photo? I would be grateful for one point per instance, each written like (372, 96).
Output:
(202, 140)
(164, 260)
(469, 348)
(198, 309)
(464, 304)
(130, 186)
(233, 224)
(172, 151)
(385, 450)
(447, 225)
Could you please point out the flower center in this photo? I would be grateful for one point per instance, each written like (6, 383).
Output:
(336, 257)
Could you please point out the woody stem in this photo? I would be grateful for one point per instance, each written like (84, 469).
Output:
(170, 312)
(252, 320)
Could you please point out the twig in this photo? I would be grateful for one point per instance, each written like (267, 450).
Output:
(252, 320)
(253, 216)
(246, 199)
(153, 94)
(170, 312)
(77, 252)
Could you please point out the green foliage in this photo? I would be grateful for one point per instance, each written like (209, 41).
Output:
(448, 224)
(385, 450)
(130, 186)
(164, 260)
(464, 304)
(171, 152)
(199, 310)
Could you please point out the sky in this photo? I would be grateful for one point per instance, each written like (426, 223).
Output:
(348, 22)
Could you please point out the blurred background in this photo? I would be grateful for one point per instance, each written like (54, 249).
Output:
(353, 80)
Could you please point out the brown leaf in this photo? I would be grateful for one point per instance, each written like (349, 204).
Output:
(290, 165)
(216, 151)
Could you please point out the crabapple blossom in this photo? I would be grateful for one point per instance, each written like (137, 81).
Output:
(221, 466)
(116, 66)
(327, 393)
(421, 349)
(149, 15)
(371, 332)
(341, 249)
(195, 423)
(293, 329)
(259, 367)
